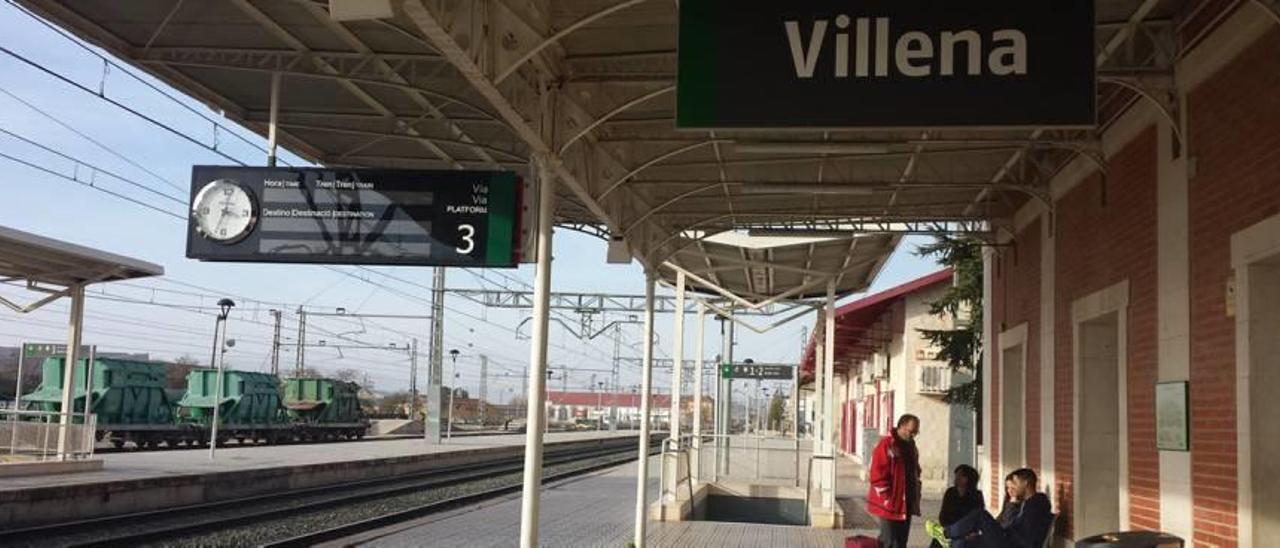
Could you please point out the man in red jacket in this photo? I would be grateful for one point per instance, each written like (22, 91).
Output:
(895, 482)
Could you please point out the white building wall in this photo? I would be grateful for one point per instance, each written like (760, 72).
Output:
(934, 440)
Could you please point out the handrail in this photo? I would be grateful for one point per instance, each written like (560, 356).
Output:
(662, 470)
(808, 482)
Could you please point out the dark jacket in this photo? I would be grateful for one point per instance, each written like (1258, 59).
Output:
(894, 465)
(1031, 523)
(956, 506)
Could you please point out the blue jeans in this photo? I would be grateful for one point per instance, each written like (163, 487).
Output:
(990, 534)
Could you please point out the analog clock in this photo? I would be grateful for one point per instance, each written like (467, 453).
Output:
(224, 211)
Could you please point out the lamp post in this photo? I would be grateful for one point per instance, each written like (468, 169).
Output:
(747, 424)
(453, 388)
(764, 406)
(546, 425)
(215, 361)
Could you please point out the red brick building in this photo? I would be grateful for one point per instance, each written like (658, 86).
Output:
(1157, 274)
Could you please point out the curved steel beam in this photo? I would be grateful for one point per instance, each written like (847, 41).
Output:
(658, 159)
(335, 77)
(401, 136)
(1160, 106)
(609, 115)
(676, 233)
(666, 204)
(561, 34)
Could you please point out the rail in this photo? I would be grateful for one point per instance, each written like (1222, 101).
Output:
(34, 434)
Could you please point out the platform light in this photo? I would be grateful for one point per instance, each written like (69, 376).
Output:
(809, 188)
(784, 147)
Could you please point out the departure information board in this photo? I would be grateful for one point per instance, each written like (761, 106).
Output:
(355, 216)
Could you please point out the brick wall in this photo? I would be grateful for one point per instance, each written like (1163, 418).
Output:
(1016, 296)
(1106, 233)
(1233, 121)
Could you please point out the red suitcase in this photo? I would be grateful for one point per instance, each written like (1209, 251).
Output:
(861, 541)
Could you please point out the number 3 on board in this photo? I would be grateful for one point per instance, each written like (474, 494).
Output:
(467, 232)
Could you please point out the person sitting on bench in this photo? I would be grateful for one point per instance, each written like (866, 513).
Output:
(1026, 529)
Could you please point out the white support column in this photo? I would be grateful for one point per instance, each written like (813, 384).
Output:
(984, 454)
(1048, 319)
(828, 397)
(536, 397)
(74, 328)
(695, 460)
(646, 387)
(677, 358)
(272, 116)
(671, 462)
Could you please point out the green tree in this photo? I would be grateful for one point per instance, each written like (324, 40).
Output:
(960, 347)
(776, 410)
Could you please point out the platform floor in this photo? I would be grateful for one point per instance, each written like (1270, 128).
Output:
(599, 510)
(157, 464)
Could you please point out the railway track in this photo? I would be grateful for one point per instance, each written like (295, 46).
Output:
(106, 450)
(308, 516)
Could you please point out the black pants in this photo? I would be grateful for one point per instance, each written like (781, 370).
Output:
(991, 534)
(893, 534)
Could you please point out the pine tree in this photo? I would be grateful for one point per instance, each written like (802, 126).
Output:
(960, 347)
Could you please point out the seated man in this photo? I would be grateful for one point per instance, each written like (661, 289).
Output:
(1026, 528)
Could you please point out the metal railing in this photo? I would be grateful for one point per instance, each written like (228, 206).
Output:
(33, 435)
(934, 379)
(679, 449)
(808, 482)
(752, 458)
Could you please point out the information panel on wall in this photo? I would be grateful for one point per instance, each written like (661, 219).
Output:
(907, 63)
(355, 216)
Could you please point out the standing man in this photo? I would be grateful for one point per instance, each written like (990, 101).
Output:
(895, 482)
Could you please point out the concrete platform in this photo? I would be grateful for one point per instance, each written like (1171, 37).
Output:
(134, 482)
(599, 509)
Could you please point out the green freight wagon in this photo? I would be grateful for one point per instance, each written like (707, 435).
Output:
(127, 396)
(250, 405)
(325, 408)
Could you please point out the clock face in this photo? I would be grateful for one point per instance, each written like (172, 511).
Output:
(224, 211)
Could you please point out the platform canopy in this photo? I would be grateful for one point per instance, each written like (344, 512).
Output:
(39, 260)
(589, 85)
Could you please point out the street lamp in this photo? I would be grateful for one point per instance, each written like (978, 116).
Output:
(746, 425)
(599, 406)
(215, 361)
(453, 353)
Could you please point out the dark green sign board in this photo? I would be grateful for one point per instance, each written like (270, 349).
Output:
(764, 64)
(49, 350)
(355, 216)
(763, 371)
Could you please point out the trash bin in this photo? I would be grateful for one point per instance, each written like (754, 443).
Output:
(1131, 539)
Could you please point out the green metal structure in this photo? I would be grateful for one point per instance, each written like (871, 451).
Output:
(248, 399)
(123, 392)
(323, 401)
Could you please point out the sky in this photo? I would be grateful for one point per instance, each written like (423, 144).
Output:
(77, 165)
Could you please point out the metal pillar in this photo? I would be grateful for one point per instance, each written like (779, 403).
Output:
(696, 459)
(828, 398)
(74, 329)
(613, 397)
(435, 378)
(302, 343)
(646, 387)
(271, 117)
(537, 395)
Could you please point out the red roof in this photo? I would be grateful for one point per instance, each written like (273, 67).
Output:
(854, 320)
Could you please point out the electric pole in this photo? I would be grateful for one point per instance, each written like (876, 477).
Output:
(300, 362)
(413, 379)
(275, 343)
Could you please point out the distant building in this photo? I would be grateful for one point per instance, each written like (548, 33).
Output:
(568, 406)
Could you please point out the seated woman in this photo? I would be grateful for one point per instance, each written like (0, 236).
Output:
(961, 498)
(1028, 522)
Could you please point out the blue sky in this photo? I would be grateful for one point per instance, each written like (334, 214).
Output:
(170, 317)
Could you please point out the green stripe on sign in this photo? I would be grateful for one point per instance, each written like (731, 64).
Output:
(502, 209)
(696, 64)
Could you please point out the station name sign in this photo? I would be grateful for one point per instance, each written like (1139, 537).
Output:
(908, 63)
(355, 216)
